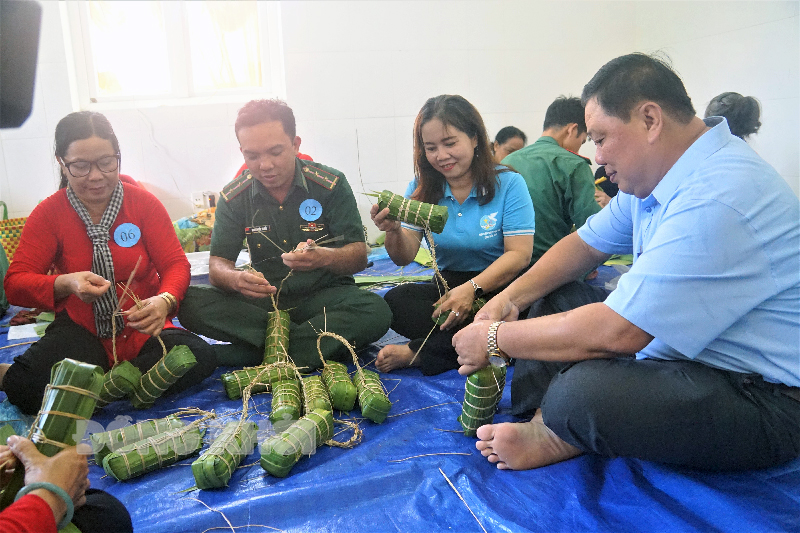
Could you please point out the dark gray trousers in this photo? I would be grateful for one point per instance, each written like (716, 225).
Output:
(678, 412)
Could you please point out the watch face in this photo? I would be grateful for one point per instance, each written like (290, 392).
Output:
(496, 360)
(479, 293)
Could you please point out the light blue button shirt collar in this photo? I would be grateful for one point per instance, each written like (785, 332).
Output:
(702, 148)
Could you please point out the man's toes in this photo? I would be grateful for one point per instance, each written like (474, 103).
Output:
(485, 432)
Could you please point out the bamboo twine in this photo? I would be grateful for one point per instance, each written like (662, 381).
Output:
(460, 497)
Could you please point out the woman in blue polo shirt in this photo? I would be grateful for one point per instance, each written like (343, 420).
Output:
(487, 241)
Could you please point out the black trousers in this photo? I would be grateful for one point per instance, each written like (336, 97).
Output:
(412, 307)
(102, 513)
(678, 412)
(27, 377)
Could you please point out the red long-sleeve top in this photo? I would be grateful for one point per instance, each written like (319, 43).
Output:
(29, 514)
(54, 234)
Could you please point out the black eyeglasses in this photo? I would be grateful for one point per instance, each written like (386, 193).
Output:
(81, 169)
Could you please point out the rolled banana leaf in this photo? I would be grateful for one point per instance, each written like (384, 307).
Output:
(315, 395)
(276, 345)
(482, 393)
(286, 401)
(215, 467)
(119, 382)
(109, 441)
(372, 397)
(281, 452)
(70, 398)
(153, 452)
(338, 382)
(413, 212)
(162, 375)
(236, 381)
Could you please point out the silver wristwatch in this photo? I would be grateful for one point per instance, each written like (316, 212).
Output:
(476, 289)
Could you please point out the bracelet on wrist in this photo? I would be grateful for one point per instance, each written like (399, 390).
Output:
(493, 353)
(172, 302)
(58, 491)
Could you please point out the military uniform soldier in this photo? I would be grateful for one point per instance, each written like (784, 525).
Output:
(559, 180)
(281, 206)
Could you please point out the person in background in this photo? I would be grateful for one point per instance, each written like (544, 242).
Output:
(281, 205)
(507, 141)
(56, 492)
(486, 241)
(605, 190)
(710, 307)
(560, 181)
(743, 113)
(95, 230)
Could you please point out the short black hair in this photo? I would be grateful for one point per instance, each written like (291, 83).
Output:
(257, 112)
(565, 110)
(627, 80)
(509, 132)
(741, 112)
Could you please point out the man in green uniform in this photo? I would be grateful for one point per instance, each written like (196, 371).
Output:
(281, 206)
(560, 181)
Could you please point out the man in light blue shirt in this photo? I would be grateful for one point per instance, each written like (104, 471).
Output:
(710, 307)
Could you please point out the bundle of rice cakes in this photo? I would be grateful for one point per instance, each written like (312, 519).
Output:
(154, 452)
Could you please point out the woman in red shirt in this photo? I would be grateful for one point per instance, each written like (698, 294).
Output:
(94, 229)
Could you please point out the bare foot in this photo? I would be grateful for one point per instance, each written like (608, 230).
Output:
(522, 446)
(394, 356)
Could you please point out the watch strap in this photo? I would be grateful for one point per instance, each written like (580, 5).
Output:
(476, 289)
(496, 357)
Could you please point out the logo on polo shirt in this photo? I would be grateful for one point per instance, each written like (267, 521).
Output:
(489, 221)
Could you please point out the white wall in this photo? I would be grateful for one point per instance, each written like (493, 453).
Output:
(746, 47)
(357, 73)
